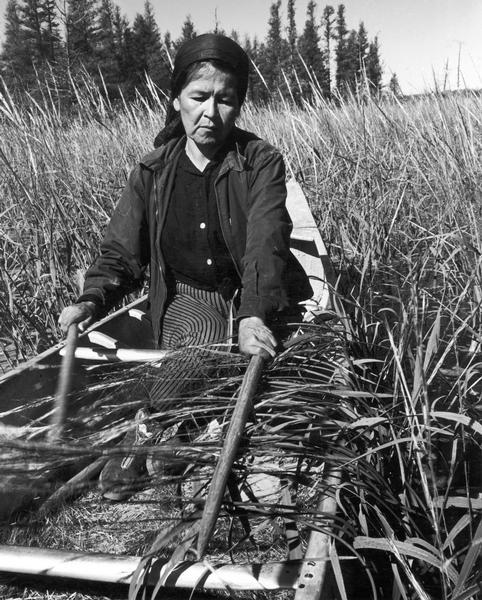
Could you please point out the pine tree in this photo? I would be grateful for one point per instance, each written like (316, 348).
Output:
(362, 46)
(168, 51)
(341, 48)
(354, 64)
(31, 19)
(394, 85)
(106, 48)
(39, 32)
(273, 56)
(217, 26)
(351, 64)
(293, 63)
(374, 67)
(291, 30)
(351, 53)
(188, 31)
(123, 48)
(119, 25)
(254, 83)
(51, 38)
(81, 33)
(105, 21)
(156, 67)
(310, 51)
(129, 61)
(168, 41)
(33, 44)
(15, 58)
(328, 22)
(147, 46)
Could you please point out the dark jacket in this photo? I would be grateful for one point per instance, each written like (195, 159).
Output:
(250, 193)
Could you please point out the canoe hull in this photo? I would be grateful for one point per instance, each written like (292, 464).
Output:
(108, 568)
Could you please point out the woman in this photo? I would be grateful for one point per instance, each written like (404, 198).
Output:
(206, 212)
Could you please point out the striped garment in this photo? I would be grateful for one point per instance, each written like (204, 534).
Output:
(198, 319)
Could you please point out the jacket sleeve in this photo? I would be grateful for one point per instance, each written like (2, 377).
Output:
(124, 252)
(267, 241)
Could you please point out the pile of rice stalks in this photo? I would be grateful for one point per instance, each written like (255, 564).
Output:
(406, 486)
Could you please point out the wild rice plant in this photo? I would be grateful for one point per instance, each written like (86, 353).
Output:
(388, 393)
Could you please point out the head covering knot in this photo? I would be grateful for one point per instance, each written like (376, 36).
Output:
(209, 46)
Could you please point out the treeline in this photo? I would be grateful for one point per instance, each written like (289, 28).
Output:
(47, 40)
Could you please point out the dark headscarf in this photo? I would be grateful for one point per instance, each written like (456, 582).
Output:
(209, 46)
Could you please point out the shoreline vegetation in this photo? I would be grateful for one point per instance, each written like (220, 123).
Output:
(396, 189)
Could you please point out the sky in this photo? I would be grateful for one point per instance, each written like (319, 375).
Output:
(422, 41)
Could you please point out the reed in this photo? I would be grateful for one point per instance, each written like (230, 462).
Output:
(390, 394)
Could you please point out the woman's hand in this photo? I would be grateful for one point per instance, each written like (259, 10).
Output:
(81, 313)
(255, 338)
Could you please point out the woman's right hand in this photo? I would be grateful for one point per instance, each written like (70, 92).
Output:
(81, 313)
(255, 338)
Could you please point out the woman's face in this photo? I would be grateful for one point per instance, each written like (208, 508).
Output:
(209, 106)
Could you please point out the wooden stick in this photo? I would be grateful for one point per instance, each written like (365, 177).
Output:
(228, 452)
(36, 360)
(72, 486)
(65, 379)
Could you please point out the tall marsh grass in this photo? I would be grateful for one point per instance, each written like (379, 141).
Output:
(396, 189)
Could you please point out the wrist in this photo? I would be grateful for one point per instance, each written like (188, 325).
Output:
(89, 306)
(253, 321)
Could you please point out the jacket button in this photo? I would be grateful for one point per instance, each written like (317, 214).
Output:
(209, 262)
(202, 226)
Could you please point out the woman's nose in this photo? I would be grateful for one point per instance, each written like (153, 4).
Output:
(211, 107)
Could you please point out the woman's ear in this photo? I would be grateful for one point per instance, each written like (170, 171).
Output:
(176, 104)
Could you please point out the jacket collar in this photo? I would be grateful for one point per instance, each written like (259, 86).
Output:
(164, 154)
(234, 158)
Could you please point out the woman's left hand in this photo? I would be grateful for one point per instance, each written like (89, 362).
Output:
(255, 338)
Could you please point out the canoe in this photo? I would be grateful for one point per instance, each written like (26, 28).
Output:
(121, 337)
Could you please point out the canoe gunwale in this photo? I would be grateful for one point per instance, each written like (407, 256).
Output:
(117, 569)
(31, 363)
